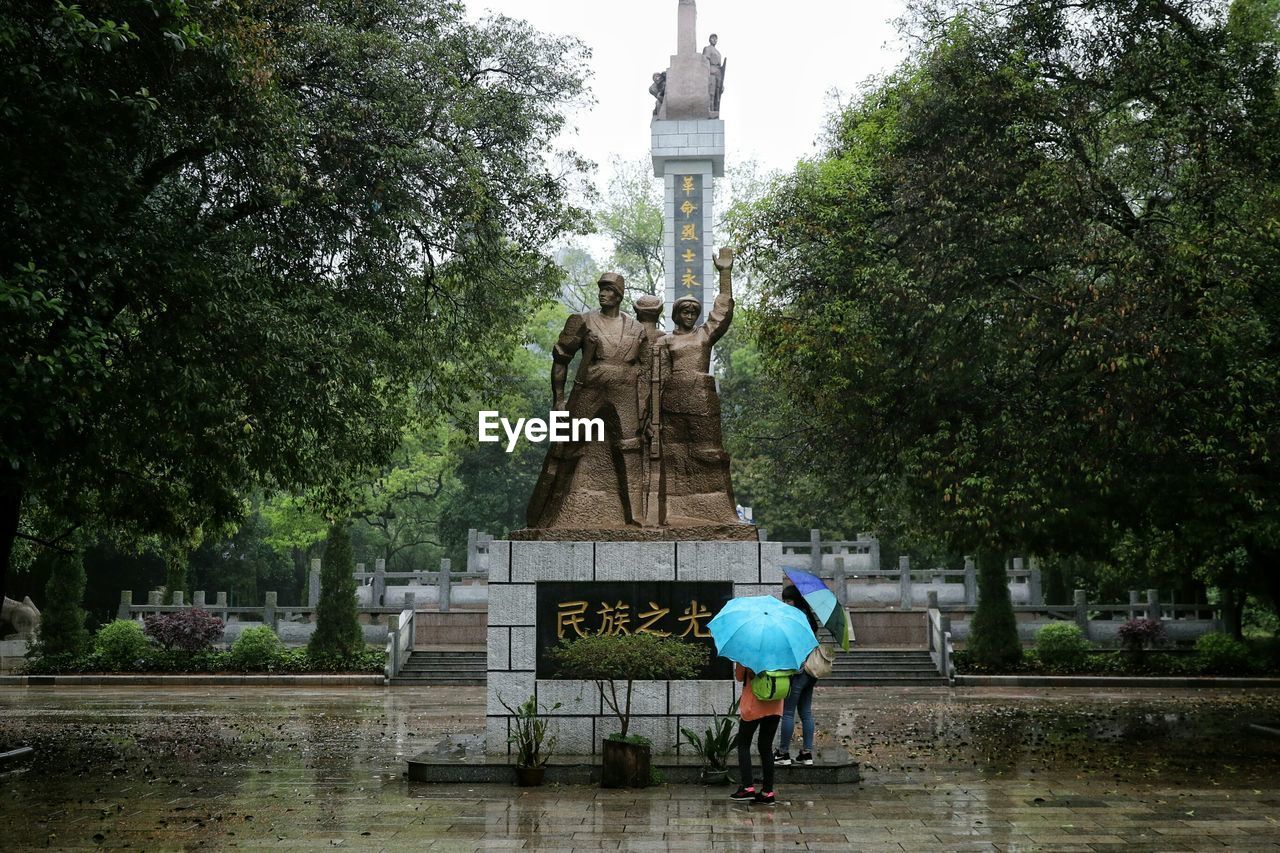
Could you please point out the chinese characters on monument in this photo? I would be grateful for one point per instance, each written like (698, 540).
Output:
(568, 610)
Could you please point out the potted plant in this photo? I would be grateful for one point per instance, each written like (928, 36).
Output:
(533, 746)
(619, 660)
(713, 747)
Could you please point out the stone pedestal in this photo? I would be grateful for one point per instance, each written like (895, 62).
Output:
(659, 708)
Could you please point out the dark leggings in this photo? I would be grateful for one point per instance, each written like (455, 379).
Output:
(746, 728)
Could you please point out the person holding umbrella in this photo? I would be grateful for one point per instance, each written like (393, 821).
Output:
(755, 715)
(768, 641)
(800, 696)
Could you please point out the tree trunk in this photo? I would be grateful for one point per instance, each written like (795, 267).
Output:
(10, 514)
(1232, 610)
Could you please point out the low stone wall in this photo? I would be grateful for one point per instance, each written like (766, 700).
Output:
(13, 653)
(455, 628)
(887, 628)
(659, 708)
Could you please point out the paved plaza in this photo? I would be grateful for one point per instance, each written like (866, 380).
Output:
(161, 769)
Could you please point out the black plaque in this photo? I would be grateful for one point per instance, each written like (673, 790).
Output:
(569, 609)
(689, 239)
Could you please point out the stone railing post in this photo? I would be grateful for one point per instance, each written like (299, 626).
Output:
(220, 603)
(873, 550)
(904, 582)
(446, 584)
(1153, 604)
(1135, 604)
(839, 582)
(379, 592)
(269, 610)
(177, 598)
(313, 587)
(1082, 610)
(1011, 578)
(763, 533)
(126, 601)
(197, 598)
(410, 601)
(970, 582)
(473, 551)
(1035, 592)
(932, 598)
(815, 552)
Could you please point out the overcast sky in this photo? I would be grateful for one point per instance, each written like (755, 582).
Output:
(782, 61)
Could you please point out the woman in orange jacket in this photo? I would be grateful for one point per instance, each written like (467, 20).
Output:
(755, 715)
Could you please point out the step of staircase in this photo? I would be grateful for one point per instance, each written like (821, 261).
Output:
(441, 668)
(885, 668)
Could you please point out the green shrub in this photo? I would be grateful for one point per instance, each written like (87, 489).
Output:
(121, 645)
(1219, 654)
(1062, 647)
(613, 660)
(256, 649)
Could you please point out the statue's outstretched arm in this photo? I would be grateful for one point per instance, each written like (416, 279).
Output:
(721, 314)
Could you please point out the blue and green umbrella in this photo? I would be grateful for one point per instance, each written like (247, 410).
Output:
(824, 604)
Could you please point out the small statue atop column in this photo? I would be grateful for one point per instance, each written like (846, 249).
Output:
(716, 86)
(658, 89)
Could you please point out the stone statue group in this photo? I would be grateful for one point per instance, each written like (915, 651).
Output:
(662, 464)
(715, 81)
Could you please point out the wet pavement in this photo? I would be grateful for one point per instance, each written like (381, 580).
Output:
(167, 769)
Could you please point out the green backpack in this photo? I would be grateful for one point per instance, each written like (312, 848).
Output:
(772, 685)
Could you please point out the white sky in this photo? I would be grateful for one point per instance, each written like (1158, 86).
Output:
(783, 61)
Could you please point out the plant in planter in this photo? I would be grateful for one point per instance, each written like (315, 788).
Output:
(1136, 635)
(533, 746)
(713, 747)
(614, 660)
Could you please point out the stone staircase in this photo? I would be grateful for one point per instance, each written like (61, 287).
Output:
(884, 668)
(441, 667)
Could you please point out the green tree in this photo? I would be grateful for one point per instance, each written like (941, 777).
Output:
(630, 215)
(993, 633)
(1026, 298)
(244, 241)
(338, 632)
(62, 628)
(245, 565)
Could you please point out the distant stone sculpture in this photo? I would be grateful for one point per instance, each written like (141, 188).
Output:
(689, 88)
(598, 485)
(658, 89)
(716, 83)
(696, 489)
(20, 618)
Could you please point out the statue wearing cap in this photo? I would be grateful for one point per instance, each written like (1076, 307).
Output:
(598, 484)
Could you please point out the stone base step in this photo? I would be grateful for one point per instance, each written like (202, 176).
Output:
(831, 767)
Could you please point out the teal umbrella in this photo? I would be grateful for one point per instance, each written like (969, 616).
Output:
(762, 633)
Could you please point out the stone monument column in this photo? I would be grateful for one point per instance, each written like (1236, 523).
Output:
(687, 142)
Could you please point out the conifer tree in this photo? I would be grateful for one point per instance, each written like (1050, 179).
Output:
(993, 634)
(337, 629)
(62, 628)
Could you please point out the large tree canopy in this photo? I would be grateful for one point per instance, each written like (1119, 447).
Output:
(1029, 294)
(243, 240)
